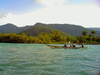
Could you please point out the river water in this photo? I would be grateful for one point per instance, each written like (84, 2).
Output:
(39, 59)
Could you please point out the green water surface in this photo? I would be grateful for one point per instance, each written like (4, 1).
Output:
(39, 59)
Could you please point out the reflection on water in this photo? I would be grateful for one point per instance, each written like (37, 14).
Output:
(38, 59)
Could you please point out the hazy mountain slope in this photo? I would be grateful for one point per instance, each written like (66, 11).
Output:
(40, 27)
(10, 28)
(97, 29)
(37, 29)
(68, 28)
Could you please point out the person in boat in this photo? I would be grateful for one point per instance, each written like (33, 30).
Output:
(82, 44)
(70, 45)
(65, 45)
(73, 45)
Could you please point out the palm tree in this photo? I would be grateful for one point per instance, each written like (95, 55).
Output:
(84, 33)
(90, 37)
(93, 32)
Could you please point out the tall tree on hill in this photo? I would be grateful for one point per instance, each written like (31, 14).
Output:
(93, 32)
(84, 33)
(90, 37)
(57, 36)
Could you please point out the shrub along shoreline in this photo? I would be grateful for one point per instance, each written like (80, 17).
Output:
(52, 38)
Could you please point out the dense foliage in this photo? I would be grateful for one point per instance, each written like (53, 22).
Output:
(37, 29)
(91, 39)
(53, 37)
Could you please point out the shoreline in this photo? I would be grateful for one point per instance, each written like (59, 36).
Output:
(56, 43)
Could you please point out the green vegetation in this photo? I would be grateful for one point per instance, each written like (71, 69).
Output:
(71, 29)
(89, 39)
(48, 33)
(36, 29)
(53, 37)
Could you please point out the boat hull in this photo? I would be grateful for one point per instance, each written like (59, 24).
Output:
(51, 46)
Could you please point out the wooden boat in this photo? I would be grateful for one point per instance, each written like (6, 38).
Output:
(51, 46)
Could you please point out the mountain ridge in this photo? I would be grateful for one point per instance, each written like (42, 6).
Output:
(11, 28)
(37, 29)
(71, 29)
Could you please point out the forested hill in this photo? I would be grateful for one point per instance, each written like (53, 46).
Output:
(37, 29)
(10, 28)
(48, 28)
(68, 28)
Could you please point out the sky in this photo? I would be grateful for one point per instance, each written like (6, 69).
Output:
(29, 12)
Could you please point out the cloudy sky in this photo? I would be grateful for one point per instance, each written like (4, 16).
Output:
(28, 12)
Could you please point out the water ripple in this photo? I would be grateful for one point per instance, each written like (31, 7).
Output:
(38, 59)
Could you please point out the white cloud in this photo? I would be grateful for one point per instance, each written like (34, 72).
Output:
(85, 15)
(51, 2)
(2, 14)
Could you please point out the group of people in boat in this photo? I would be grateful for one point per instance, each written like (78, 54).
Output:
(72, 45)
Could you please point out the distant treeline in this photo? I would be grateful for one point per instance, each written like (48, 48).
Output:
(53, 37)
